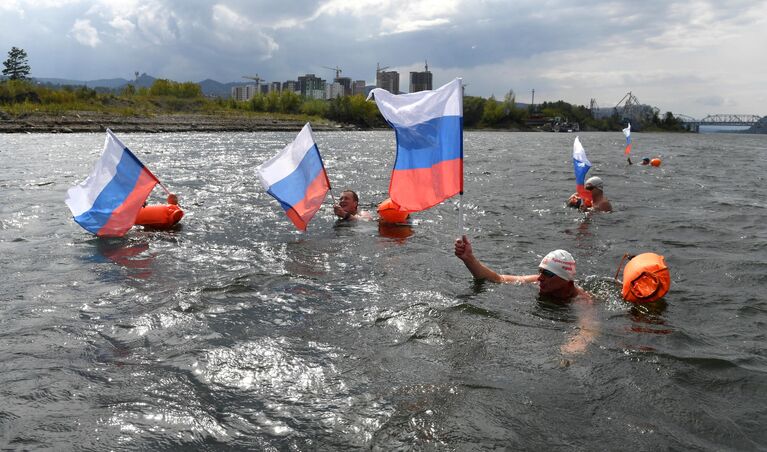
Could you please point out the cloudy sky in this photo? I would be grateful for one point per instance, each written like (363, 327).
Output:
(693, 57)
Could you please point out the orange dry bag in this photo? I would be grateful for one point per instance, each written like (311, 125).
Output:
(645, 278)
(391, 212)
(159, 216)
(655, 162)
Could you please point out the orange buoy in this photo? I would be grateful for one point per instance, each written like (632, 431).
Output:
(645, 278)
(655, 162)
(391, 212)
(159, 216)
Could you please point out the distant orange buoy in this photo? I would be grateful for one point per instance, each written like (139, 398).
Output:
(159, 216)
(645, 278)
(391, 212)
(655, 162)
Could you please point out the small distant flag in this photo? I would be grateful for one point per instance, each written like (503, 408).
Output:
(429, 128)
(581, 165)
(296, 177)
(627, 132)
(107, 202)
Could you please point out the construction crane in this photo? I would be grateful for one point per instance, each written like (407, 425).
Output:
(254, 77)
(337, 69)
(630, 109)
(593, 108)
(379, 68)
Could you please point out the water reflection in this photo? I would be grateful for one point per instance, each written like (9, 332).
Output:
(133, 256)
(648, 318)
(395, 231)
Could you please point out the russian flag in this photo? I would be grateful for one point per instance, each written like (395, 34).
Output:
(296, 177)
(581, 165)
(107, 202)
(627, 132)
(429, 131)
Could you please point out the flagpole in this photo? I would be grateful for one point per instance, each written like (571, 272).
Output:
(460, 215)
(460, 191)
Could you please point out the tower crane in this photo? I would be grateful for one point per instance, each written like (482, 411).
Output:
(254, 77)
(337, 69)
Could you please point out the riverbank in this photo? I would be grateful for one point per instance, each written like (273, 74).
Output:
(89, 121)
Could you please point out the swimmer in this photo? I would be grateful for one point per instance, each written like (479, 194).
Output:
(555, 278)
(556, 282)
(645, 161)
(599, 201)
(348, 207)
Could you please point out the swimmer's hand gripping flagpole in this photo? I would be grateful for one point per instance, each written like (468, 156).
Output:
(460, 192)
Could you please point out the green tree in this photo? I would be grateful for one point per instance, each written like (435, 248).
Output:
(290, 102)
(473, 108)
(272, 101)
(16, 66)
(314, 107)
(493, 112)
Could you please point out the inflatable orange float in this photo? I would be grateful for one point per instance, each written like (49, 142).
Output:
(159, 216)
(391, 212)
(655, 162)
(645, 278)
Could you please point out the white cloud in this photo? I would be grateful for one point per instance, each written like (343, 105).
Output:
(237, 33)
(13, 6)
(156, 23)
(391, 26)
(85, 33)
(122, 25)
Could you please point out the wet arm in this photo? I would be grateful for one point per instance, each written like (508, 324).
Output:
(463, 251)
(588, 328)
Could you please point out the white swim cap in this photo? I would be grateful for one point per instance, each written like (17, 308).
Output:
(595, 182)
(561, 263)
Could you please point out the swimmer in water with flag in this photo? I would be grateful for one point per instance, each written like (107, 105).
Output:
(589, 193)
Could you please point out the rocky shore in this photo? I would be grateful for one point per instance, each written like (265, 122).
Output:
(76, 122)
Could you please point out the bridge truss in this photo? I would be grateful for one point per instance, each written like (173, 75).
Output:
(719, 120)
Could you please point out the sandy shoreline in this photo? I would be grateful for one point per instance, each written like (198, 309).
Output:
(78, 122)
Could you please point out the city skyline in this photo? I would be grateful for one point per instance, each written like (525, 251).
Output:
(693, 58)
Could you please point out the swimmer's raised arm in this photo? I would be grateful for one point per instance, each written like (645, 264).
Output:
(464, 252)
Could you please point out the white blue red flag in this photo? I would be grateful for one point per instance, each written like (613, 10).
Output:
(108, 201)
(581, 165)
(297, 178)
(627, 132)
(429, 128)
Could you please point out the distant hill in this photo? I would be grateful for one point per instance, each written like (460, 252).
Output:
(111, 83)
(210, 88)
(143, 81)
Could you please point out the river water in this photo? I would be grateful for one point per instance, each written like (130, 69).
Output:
(238, 332)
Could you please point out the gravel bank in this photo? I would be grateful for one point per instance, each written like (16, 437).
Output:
(73, 122)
